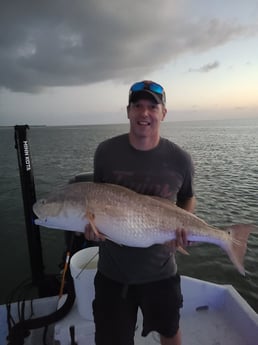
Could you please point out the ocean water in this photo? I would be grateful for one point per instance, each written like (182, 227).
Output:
(225, 155)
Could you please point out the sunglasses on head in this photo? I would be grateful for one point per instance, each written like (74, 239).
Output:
(154, 87)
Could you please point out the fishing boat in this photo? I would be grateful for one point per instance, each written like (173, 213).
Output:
(212, 314)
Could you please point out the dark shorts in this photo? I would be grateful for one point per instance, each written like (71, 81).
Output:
(115, 309)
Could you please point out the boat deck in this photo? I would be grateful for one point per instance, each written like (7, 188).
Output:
(207, 327)
(212, 315)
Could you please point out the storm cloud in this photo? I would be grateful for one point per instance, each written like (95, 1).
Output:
(63, 42)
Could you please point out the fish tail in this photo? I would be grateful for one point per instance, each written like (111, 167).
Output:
(236, 249)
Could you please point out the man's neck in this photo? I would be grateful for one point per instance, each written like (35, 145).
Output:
(144, 143)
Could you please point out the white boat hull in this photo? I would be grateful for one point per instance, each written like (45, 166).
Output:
(212, 314)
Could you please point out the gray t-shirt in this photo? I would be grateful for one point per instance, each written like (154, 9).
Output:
(165, 171)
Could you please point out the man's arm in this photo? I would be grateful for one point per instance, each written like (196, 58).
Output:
(188, 204)
(181, 239)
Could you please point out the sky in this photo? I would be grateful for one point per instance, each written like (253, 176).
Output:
(72, 62)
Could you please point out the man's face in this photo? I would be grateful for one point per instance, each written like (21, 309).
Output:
(145, 116)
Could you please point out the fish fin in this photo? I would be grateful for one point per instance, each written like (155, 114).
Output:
(236, 249)
(182, 250)
(90, 216)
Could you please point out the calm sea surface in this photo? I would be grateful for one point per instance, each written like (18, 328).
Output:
(226, 183)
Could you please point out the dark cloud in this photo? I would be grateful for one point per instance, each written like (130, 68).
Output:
(63, 42)
(206, 68)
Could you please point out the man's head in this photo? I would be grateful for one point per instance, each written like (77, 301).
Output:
(147, 89)
(145, 111)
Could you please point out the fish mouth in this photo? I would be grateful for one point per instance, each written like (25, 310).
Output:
(39, 221)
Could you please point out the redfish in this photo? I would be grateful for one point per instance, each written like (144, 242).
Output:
(132, 219)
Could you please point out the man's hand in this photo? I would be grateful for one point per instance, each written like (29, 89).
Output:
(180, 241)
(90, 235)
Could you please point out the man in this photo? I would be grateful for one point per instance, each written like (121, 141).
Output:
(131, 278)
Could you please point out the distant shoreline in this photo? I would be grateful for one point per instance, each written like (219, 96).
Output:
(175, 122)
(31, 126)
